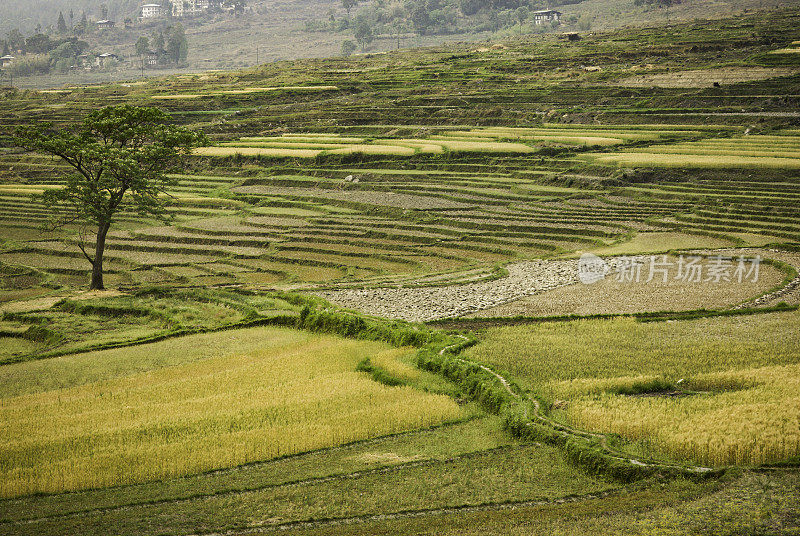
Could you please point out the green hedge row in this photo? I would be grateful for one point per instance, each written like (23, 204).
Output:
(585, 452)
(357, 327)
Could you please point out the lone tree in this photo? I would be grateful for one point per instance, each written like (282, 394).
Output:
(142, 46)
(348, 47)
(119, 154)
(61, 25)
(349, 5)
(363, 33)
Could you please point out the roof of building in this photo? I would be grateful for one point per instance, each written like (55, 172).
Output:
(9, 57)
(546, 11)
(105, 21)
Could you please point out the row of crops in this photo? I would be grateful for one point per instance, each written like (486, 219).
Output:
(314, 225)
(477, 140)
(397, 219)
(778, 151)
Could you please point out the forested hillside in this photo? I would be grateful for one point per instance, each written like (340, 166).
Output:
(260, 31)
(28, 14)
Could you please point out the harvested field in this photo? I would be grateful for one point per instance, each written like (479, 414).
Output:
(705, 77)
(388, 199)
(611, 296)
(433, 303)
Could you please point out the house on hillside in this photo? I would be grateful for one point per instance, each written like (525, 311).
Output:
(546, 15)
(104, 60)
(6, 61)
(105, 24)
(182, 8)
(178, 8)
(152, 11)
(151, 58)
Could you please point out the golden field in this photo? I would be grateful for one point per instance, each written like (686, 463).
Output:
(740, 377)
(299, 393)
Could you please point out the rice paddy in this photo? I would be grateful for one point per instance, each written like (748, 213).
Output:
(310, 145)
(477, 140)
(419, 182)
(752, 152)
(740, 374)
(744, 417)
(289, 393)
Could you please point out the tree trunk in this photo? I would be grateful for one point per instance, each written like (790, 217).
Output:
(97, 266)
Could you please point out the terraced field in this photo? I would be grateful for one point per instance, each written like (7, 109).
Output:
(497, 140)
(780, 151)
(453, 186)
(433, 224)
(171, 419)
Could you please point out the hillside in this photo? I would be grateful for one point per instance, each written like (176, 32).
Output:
(28, 15)
(289, 29)
(533, 285)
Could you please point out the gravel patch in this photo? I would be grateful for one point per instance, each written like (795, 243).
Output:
(433, 303)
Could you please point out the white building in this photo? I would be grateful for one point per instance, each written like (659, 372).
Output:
(103, 60)
(182, 8)
(179, 8)
(546, 15)
(5, 61)
(152, 11)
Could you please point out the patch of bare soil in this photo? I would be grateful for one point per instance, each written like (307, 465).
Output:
(46, 302)
(611, 296)
(706, 77)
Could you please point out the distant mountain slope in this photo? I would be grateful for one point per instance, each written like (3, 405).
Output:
(27, 14)
(290, 29)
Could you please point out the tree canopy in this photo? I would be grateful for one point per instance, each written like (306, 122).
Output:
(117, 154)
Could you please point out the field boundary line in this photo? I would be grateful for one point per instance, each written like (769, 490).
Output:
(408, 514)
(291, 483)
